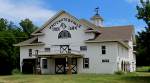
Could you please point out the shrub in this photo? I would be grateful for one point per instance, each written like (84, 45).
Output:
(119, 72)
(16, 71)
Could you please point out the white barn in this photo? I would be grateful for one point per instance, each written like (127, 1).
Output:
(65, 44)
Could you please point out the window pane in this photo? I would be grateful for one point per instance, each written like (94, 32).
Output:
(30, 52)
(103, 47)
(47, 49)
(86, 66)
(83, 48)
(64, 34)
(85, 62)
(44, 61)
(105, 60)
(103, 51)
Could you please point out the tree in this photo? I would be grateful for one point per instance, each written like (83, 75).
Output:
(3, 24)
(9, 55)
(143, 37)
(144, 12)
(11, 34)
(27, 26)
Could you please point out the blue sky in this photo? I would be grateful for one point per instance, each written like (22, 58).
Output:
(114, 12)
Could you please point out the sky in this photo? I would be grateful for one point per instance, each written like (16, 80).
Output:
(114, 12)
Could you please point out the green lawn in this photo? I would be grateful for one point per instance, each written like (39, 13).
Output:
(138, 77)
(143, 69)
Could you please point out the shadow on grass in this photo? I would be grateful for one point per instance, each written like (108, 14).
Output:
(138, 79)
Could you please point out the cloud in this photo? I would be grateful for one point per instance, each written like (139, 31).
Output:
(15, 10)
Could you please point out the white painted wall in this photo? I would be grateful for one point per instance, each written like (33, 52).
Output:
(125, 54)
(95, 57)
(24, 53)
(51, 37)
(132, 56)
(51, 66)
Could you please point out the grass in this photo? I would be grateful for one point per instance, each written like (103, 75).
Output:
(143, 69)
(138, 77)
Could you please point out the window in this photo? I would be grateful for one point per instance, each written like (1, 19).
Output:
(85, 62)
(105, 60)
(83, 48)
(64, 34)
(44, 62)
(47, 49)
(103, 49)
(30, 52)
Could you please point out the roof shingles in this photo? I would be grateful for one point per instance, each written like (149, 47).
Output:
(121, 33)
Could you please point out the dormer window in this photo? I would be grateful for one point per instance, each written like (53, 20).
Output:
(64, 34)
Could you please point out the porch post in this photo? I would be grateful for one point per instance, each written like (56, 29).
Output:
(38, 68)
(66, 68)
(69, 66)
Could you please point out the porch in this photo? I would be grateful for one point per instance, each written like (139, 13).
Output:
(59, 59)
(63, 61)
(59, 66)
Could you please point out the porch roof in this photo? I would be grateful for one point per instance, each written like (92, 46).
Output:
(62, 55)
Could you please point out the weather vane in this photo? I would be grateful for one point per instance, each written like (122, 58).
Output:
(97, 10)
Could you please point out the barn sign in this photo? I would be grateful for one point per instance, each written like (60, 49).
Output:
(63, 25)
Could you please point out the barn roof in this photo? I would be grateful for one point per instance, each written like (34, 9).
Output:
(121, 33)
(30, 42)
(106, 34)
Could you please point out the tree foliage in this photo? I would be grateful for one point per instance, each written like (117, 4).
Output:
(3, 24)
(143, 37)
(27, 26)
(11, 34)
(144, 11)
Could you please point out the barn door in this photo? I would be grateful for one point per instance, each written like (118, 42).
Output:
(28, 66)
(60, 64)
(74, 65)
(64, 49)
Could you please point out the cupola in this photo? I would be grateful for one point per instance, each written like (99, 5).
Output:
(97, 19)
